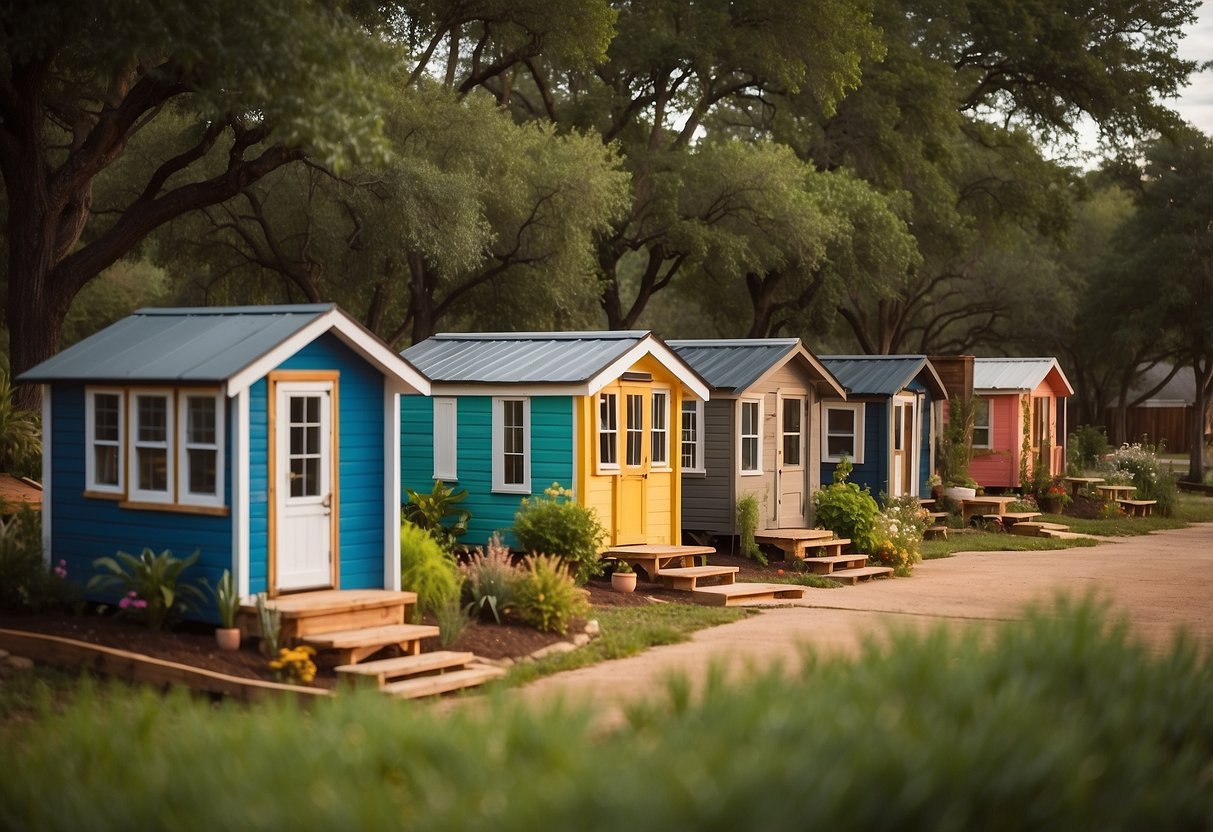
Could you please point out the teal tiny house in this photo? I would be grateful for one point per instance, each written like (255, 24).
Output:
(264, 437)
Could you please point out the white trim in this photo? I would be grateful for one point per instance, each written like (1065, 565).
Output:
(577, 457)
(391, 486)
(184, 497)
(758, 425)
(360, 340)
(667, 395)
(500, 486)
(697, 411)
(134, 492)
(856, 408)
(446, 438)
(649, 345)
(989, 426)
(90, 458)
(240, 493)
(47, 468)
(608, 467)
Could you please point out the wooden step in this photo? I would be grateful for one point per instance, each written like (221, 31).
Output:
(382, 670)
(446, 682)
(686, 578)
(1137, 508)
(829, 548)
(853, 576)
(936, 532)
(330, 610)
(731, 595)
(355, 645)
(1061, 534)
(1054, 527)
(1026, 529)
(824, 566)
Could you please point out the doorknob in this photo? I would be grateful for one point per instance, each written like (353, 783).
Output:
(327, 502)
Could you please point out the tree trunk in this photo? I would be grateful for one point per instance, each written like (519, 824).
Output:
(1196, 453)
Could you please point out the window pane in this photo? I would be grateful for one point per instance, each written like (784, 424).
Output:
(981, 437)
(312, 435)
(791, 449)
(689, 435)
(840, 421)
(153, 419)
(791, 431)
(153, 469)
(897, 430)
(105, 466)
(513, 470)
(749, 454)
(838, 446)
(296, 409)
(635, 429)
(981, 411)
(607, 422)
(105, 417)
(200, 420)
(202, 476)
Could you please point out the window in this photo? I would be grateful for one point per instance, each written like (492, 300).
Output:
(843, 427)
(608, 430)
(751, 424)
(201, 449)
(1040, 422)
(151, 459)
(660, 431)
(635, 430)
(692, 436)
(981, 423)
(512, 445)
(793, 415)
(446, 432)
(105, 423)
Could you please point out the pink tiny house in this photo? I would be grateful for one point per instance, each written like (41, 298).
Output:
(1015, 397)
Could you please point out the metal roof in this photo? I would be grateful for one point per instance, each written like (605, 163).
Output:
(882, 375)
(575, 362)
(1015, 373)
(211, 345)
(735, 365)
(1180, 390)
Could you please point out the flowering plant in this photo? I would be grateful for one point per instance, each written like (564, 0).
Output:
(154, 590)
(294, 665)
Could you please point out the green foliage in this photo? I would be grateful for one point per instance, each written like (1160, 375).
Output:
(556, 524)
(427, 570)
(227, 599)
(622, 567)
(1086, 448)
(981, 541)
(896, 536)
(847, 510)
(438, 513)
(453, 618)
(747, 523)
(1152, 480)
(25, 581)
(270, 621)
(20, 435)
(547, 597)
(1061, 722)
(155, 591)
(956, 443)
(491, 579)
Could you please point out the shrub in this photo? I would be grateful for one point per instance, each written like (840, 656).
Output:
(956, 443)
(547, 597)
(25, 582)
(154, 590)
(1147, 474)
(747, 524)
(453, 618)
(270, 621)
(491, 579)
(20, 445)
(437, 513)
(1087, 447)
(555, 524)
(897, 534)
(846, 509)
(427, 570)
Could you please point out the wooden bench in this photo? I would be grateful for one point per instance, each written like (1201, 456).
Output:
(1137, 508)
(936, 532)
(687, 578)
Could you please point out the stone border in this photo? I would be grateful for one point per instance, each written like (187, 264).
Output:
(591, 632)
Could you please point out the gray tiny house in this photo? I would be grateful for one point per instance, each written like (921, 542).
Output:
(757, 435)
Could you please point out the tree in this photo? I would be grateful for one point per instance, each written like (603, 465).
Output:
(259, 84)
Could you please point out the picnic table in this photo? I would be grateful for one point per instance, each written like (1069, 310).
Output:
(979, 505)
(1116, 492)
(1078, 483)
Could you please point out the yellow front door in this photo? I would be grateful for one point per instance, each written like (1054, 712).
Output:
(631, 494)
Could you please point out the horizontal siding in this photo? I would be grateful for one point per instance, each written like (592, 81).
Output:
(998, 467)
(707, 501)
(873, 473)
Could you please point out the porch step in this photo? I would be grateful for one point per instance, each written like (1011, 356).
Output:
(731, 595)
(1061, 534)
(330, 610)
(1137, 508)
(687, 577)
(864, 573)
(826, 566)
(794, 542)
(381, 671)
(1027, 529)
(355, 645)
(444, 683)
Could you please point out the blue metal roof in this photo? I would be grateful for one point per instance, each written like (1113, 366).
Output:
(735, 365)
(520, 357)
(882, 375)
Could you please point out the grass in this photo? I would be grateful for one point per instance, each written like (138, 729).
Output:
(807, 579)
(1190, 508)
(995, 542)
(626, 631)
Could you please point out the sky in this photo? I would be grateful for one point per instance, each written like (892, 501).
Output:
(1196, 103)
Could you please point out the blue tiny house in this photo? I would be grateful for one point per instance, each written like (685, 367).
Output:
(264, 437)
(887, 427)
(513, 413)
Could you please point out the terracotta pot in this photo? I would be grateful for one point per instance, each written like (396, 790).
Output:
(1050, 505)
(623, 581)
(228, 638)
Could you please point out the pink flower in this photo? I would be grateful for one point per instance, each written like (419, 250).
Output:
(132, 600)
(61, 569)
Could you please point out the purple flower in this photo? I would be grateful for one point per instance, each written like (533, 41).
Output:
(61, 569)
(132, 600)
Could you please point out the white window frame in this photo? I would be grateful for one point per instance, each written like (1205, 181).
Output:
(800, 431)
(499, 483)
(184, 496)
(601, 431)
(857, 429)
(988, 426)
(659, 438)
(446, 434)
(134, 492)
(90, 442)
(697, 442)
(741, 437)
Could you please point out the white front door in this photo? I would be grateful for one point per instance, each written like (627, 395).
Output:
(905, 450)
(304, 485)
(791, 470)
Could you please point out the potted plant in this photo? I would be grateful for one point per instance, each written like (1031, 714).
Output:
(623, 577)
(1053, 498)
(228, 601)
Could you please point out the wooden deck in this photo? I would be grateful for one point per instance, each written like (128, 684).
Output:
(797, 543)
(733, 595)
(653, 557)
(331, 610)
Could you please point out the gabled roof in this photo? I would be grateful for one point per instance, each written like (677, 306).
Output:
(1179, 391)
(233, 345)
(1016, 374)
(561, 363)
(736, 365)
(883, 375)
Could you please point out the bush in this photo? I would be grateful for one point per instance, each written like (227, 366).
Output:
(154, 590)
(25, 582)
(20, 431)
(747, 524)
(897, 534)
(846, 509)
(491, 580)
(438, 514)
(1152, 480)
(1086, 449)
(547, 597)
(556, 524)
(427, 570)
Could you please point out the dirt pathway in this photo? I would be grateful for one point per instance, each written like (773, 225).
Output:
(1161, 582)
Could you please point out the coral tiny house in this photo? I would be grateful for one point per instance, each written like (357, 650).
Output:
(758, 436)
(1019, 420)
(264, 437)
(513, 413)
(888, 425)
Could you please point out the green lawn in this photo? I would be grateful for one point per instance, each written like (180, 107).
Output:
(1190, 508)
(994, 542)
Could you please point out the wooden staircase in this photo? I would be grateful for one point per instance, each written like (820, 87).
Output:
(827, 559)
(656, 560)
(426, 674)
(1037, 528)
